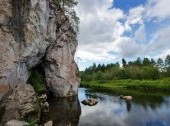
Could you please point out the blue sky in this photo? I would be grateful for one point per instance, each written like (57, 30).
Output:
(126, 5)
(114, 29)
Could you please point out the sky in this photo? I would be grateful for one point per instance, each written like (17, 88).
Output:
(110, 30)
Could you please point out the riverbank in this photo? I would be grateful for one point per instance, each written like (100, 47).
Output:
(125, 86)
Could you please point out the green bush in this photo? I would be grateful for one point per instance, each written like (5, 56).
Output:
(37, 80)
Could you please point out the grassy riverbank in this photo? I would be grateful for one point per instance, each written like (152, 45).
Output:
(162, 85)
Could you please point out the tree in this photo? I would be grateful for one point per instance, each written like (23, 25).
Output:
(138, 62)
(68, 7)
(124, 63)
(167, 61)
(98, 75)
(74, 20)
(160, 64)
(117, 65)
(167, 64)
(153, 62)
(131, 64)
(66, 3)
(137, 69)
(99, 67)
(146, 62)
(94, 67)
(103, 68)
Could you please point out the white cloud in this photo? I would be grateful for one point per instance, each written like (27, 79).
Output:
(94, 52)
(134, 17)
(163, 54)
(99, 27)
(97, 22)
(102, 31)
(158, 9)
(160, 41)
(128, 48)
(140, 34)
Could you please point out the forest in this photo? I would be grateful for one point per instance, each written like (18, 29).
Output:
(140, 69)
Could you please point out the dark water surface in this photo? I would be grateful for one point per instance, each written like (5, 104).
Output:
(110, 111)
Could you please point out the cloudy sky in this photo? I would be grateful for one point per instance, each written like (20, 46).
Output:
(114, 29)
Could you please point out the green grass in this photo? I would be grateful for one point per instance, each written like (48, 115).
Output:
(162, 85)
(37, 80)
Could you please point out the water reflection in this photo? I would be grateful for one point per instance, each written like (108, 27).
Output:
(145, 100)
(64, 112)
(144, 110)
(88, 95)
(128, 105)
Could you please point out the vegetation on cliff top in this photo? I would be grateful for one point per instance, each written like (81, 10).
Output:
(68, 7)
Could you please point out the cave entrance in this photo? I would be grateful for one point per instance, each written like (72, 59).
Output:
(37, 79)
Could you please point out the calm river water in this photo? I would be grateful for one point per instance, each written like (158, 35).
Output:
(110, 111)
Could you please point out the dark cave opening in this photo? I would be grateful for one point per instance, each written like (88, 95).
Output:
(37, 79)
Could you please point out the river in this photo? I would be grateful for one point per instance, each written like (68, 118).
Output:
(110, 110)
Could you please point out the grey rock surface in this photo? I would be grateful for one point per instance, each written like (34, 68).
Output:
(16, 123)
(37, 32)
(20, 102)
(49, 123)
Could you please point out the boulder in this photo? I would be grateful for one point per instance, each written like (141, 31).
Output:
(128, 98)
(90, 102)
(44, 107)
(43, 97)
(49, 123)
(16, 123)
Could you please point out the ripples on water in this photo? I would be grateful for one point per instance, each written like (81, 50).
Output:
(110, 111)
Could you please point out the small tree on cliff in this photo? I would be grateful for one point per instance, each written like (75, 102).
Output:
(69, 3)
(68, 7)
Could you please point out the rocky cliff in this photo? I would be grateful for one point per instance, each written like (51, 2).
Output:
(34, 32)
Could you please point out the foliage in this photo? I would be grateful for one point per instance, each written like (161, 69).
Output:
(37, 80)
(68, 3)
(135, 70)
(32, 121)
(68, 7)
(124, 62)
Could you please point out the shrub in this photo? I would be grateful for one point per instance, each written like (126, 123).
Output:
(37, 80)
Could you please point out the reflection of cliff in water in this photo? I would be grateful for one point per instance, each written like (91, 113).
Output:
(64, 111)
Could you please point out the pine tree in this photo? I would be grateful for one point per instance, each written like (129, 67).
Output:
(146, 62)
(167, 61)
(160, 64)
(124, 63)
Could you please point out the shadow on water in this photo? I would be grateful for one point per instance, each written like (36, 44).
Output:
(64, 111)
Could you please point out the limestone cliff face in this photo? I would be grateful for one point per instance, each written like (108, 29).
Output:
(34, 32)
